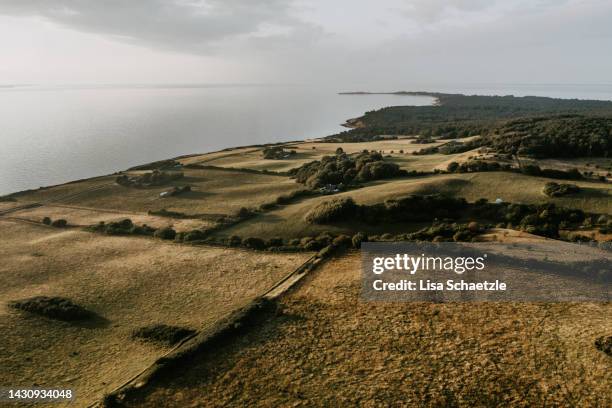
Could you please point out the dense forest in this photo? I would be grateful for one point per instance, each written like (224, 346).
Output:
(511, 124)
(560, 136)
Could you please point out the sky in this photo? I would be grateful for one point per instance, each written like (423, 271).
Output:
(347, 43)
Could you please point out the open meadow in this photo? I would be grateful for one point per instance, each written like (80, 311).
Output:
(128, 283)
(252, 158)
(327, 346)
(213, 192)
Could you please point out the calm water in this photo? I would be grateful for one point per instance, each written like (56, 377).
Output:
(53, 135)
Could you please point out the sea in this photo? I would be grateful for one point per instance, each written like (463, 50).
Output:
(54, 134)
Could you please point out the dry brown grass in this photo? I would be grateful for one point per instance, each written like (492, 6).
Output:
(329, 348)
(214, 192)
(252, 158)
(81, 216)
(130, 283)
(598, 165)
(206, 158)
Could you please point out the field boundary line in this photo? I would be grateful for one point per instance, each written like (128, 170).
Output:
(211, 335)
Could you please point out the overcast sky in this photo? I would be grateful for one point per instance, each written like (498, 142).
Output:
(347, 43)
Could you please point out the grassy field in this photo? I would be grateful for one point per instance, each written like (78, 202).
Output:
(327, 347)
(129, 283)
(214, 192)
(205, 158)
(288, 221)
(310, 151)
(82, 216)
(598, 165)
(330, 348)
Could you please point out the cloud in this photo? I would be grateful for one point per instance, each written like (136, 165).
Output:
(315, 41)
(200, 27)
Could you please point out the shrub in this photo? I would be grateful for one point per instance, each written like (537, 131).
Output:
(534, 170)
(123, 227)
(126, 223)
(474, 227)
(194, 235)
(358, 238)
(53, 307)
(312, 245)
(244, 213)
(462, 236)
(277, 153)
(530, 219)
(452, 167)
(305, 240)
(604, 343)
(143, 229)
(235, 241)
(379, 170)
(165, 213)
(165, 233)
(61, 223)
(267, 206)
(117, 228)
(324, 239)
(331, 210)
(531, 170)
(162, 334)
(254, 243)
(326, 252)
(46, 221)
(557, 190)
(275, 242)
(342, 241)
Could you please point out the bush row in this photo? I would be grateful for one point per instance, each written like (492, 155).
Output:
(530, 169)
(545, 219)
(411, 208)
(534, 170)
(453, 147)
(476, 166)
(438, 232)
(123, 227)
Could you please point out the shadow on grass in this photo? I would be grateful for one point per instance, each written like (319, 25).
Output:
(590, 192)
